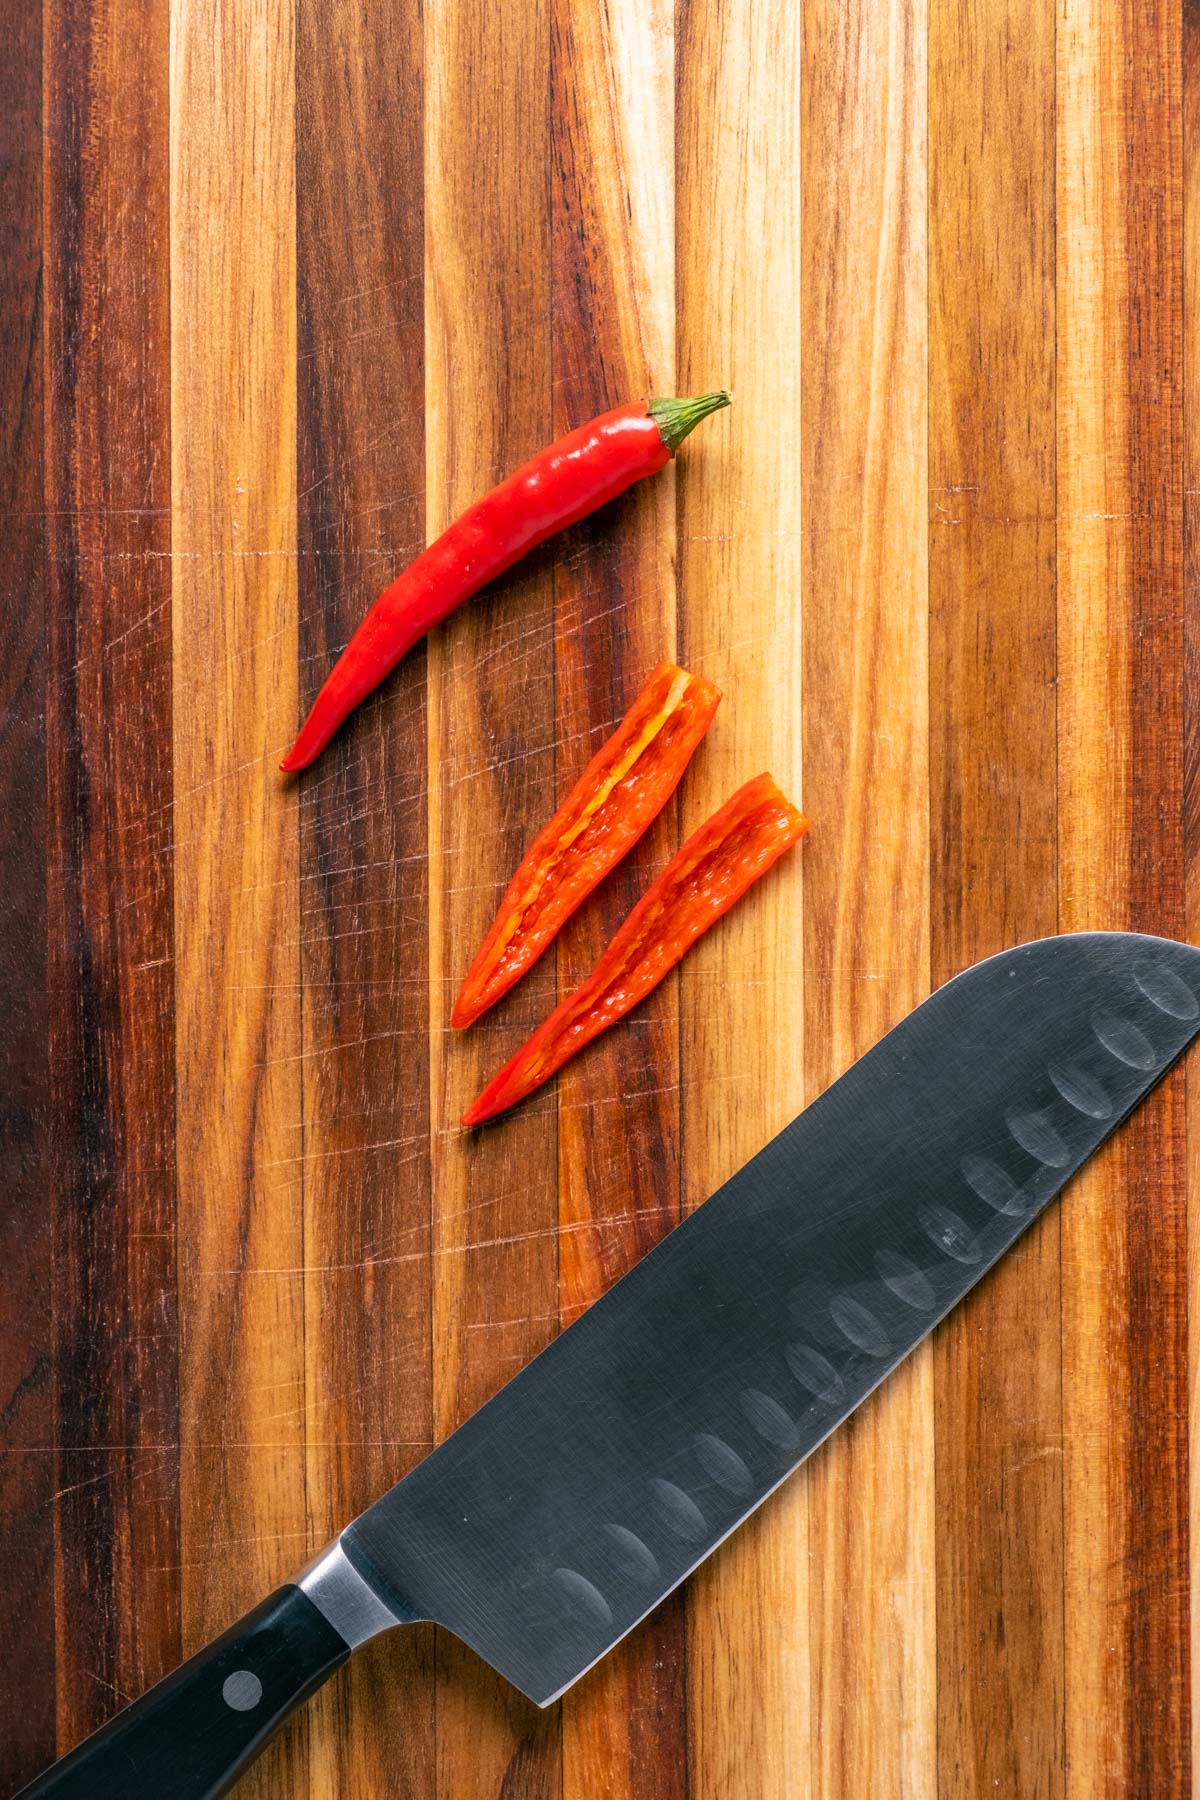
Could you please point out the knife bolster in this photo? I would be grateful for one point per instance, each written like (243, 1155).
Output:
(345, 1598)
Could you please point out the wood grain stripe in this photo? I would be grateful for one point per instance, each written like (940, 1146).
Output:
(27, 1460)
(492, 774)
(739, 325)
(233, 406)
(865, 566)
(109, 901)
(1119, 261)
(994, 854)
(1191, 777)
(613, 251)
(362, 919)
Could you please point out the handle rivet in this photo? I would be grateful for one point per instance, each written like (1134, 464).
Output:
(242, 1690)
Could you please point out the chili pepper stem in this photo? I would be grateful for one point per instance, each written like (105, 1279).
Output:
(676, 418)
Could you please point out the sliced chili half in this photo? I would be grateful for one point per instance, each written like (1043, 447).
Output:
(620, 793)
(716, 865)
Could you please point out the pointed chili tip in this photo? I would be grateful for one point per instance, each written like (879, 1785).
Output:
(675, 418)
(495, 1098)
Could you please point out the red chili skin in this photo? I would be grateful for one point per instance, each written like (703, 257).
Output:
(722, 858)
(559, 486)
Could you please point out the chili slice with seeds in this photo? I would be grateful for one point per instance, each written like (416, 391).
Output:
(716, 865)
(620, 793)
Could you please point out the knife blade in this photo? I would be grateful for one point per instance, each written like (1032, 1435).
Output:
(590, 1486)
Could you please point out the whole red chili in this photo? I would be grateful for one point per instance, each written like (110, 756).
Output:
(622, 790)
(561, 484)
(716, 865)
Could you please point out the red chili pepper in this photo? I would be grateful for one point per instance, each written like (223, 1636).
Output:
(720, 860)
(560, 485)
(624, 787)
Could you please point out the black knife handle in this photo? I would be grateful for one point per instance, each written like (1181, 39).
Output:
(190, 1737)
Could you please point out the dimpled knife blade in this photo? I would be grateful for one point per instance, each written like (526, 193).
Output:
(569, 1506)
(590, 1486)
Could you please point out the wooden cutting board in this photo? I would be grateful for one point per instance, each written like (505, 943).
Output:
(284, 284)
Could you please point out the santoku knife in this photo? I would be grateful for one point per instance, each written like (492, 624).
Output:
(590, 1486)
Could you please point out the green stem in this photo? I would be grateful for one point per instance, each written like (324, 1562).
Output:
(675, 418)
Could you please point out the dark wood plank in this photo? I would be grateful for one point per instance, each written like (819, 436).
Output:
(363, 912)
(492, 774)
(109, 761)
(27, 1468)
(994, 854)
(1120, 622)
(1156, 1597)
(613, 296)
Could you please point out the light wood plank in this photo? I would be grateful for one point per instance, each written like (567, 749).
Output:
(994, 855)
(492, 753)
(1120, 800)
(1191, 786)
(867, 777)
(739, 325)
(233, 419)
(613, 257)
